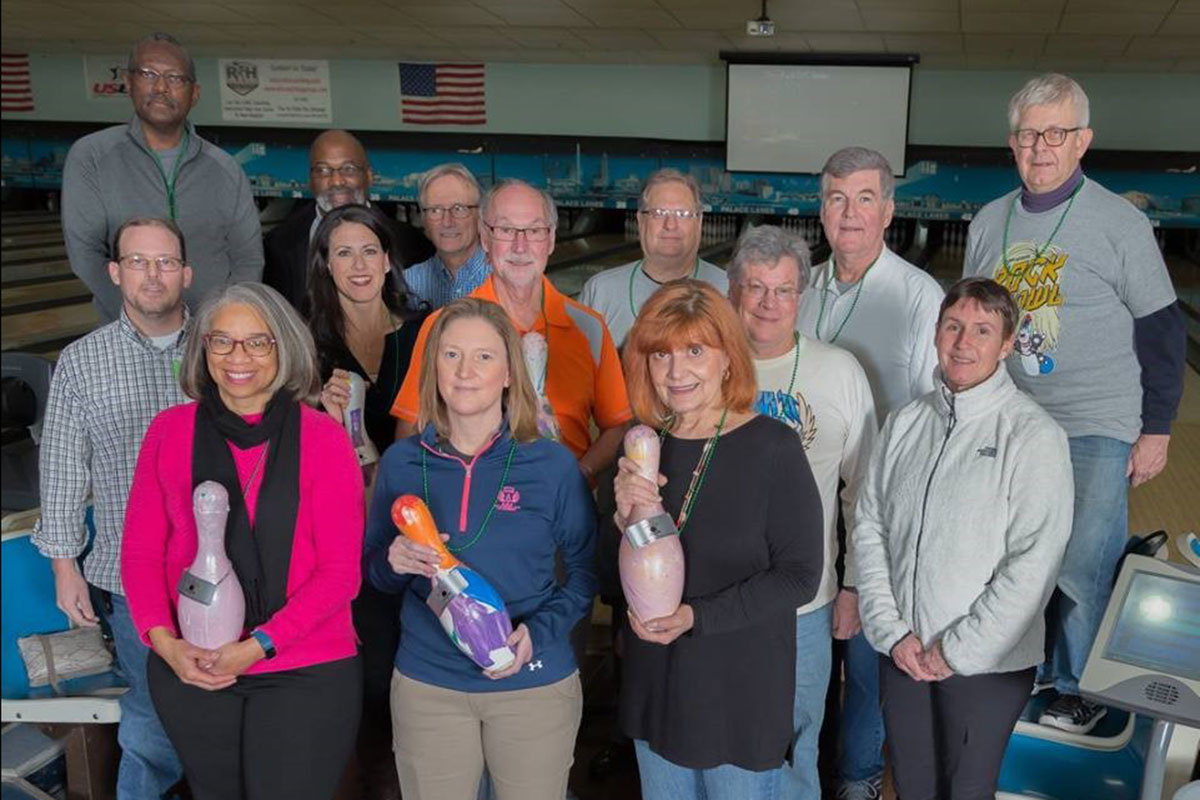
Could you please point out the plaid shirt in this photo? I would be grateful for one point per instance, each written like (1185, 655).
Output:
(106, 389)
(433, 282)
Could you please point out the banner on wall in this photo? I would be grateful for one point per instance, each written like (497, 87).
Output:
(275, 90)
(105, 76)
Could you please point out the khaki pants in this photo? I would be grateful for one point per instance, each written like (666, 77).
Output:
(443, 737)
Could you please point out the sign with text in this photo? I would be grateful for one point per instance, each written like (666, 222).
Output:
(105, 76)
(275, 90)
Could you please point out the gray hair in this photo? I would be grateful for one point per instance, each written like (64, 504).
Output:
(489, 197)
(668, 175)
(1047, 90)
(767, 244)
(849, 160)
(298, 371)
(162, 38)
(459, 171)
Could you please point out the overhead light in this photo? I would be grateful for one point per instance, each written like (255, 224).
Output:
(763, 26)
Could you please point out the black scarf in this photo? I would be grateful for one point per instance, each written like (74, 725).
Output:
(262, 554)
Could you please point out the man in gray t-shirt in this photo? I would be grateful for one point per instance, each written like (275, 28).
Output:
(1100, 346)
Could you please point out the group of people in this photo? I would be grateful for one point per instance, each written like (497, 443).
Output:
(849, 453)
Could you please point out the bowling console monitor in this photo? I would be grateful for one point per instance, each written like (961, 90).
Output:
(1146, 657)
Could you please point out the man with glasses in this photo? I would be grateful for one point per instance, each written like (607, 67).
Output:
(583, 381)
(822, 393)
(156, 165)
(669, 217)
(449, 196)
(105, 390)
(1100, 345)
(884, 310)
(339, 173)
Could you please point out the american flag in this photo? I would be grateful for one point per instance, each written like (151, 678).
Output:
(442, 94)
(16, 94)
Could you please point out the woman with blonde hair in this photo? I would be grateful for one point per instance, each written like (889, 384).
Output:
(506, 501)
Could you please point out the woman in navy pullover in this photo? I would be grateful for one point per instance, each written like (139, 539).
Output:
(506, 501)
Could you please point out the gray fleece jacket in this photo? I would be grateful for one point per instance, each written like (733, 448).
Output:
(962, 524)
(111, 176)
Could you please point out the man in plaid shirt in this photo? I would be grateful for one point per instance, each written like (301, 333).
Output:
(106, 389)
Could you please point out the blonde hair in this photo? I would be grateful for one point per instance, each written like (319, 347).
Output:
(518, 400)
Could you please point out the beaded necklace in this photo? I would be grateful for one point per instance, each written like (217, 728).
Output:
(1038, 251)
(857, 292)
(795, 362)
(698, 474)
(638, 268)
(512, 448)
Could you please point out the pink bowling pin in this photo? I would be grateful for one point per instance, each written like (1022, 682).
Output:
(537, 357)
(355, 420)
(212, 608)
(651, 556)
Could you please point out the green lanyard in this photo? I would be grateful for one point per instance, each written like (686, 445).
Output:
(512, 448)
(795, 362)
(829, 280)
(638, 268)
(698, 474)
(1038, 251)
(170, 182)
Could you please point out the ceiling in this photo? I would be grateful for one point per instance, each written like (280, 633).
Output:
(1069, 35)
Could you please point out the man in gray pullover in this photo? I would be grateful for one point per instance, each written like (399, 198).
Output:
(157, 166)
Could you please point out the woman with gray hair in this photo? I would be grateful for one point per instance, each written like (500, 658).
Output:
(288, 691)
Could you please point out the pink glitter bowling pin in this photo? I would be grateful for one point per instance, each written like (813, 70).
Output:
(212, 608)
(537, 357)
(651, 555)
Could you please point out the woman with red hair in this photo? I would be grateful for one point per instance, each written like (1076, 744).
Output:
(707, 692)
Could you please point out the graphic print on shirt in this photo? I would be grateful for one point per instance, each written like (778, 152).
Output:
(1035, 282)
(793, 411)
(508, 499)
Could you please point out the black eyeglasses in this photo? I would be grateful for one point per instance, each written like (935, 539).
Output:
(458, 210)
(257, 346)
(1027, 137)
(141, 263)
(509, 233)
(148, 77)
(345, 170)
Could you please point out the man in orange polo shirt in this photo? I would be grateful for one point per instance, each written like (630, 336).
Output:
(583, 375)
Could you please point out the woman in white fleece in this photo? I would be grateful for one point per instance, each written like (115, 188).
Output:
(962, 523)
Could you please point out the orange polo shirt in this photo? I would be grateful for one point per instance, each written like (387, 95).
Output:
(583, 373)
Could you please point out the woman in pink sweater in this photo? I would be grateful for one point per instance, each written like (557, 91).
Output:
(274, 714)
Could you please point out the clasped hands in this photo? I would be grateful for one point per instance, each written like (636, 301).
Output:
(919, 662)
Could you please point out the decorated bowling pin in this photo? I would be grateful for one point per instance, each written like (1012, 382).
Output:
(212, 608)
(470, 610)
(650, 558)
(356, 424)
(537, 356)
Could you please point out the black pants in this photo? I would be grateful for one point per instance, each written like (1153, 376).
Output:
(947, 738)
(279, 735)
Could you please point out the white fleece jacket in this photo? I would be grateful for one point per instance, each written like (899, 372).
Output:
(962, 524)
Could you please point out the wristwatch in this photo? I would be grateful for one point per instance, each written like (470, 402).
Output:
(264, 641)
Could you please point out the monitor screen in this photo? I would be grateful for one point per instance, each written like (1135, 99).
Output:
(1158, 626)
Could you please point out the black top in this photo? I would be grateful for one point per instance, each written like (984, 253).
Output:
(397, 353)
(285, 248)
(722, 693)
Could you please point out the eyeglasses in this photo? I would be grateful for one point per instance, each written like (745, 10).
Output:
(350, 171)
(458, 210)
(784, 293)
(148, 77)
(141, 263)
(1054, 137)
(678, 213)
(258, 346)
(508, 233)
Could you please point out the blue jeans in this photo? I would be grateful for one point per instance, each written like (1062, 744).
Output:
(814, 657)
(861, 731)
(1098, 537)
(149, 766)
(663, 780)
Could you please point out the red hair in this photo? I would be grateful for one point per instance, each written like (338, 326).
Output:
(686, 312)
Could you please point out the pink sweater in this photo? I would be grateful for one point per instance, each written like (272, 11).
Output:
(159, 543)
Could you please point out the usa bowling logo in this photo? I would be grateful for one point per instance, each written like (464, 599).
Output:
(508, 499)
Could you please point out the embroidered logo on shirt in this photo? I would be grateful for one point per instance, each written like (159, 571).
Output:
(535, 665)
(986, 452)
(508, 499)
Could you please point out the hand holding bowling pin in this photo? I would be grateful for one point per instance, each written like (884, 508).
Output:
(335, 395)
(663, 630)
(190, 664)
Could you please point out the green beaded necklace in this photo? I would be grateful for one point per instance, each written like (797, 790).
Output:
(1038, 251)
(828, 281)
(638, 268)
(699, 473)
(512, 448)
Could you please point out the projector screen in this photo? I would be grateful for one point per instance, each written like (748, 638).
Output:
(792, 117)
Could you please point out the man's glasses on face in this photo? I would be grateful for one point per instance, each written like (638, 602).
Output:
(509, 233)
(148, 77)
(1027, 137)
(458, 211)
(348, 171)
(785, 293)
(141, 263)
(661, 214)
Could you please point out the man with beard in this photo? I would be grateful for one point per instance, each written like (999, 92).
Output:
(339, 174)
(106, 389)
(156, 165)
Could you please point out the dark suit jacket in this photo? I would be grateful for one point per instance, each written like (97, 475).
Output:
(286, 251)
